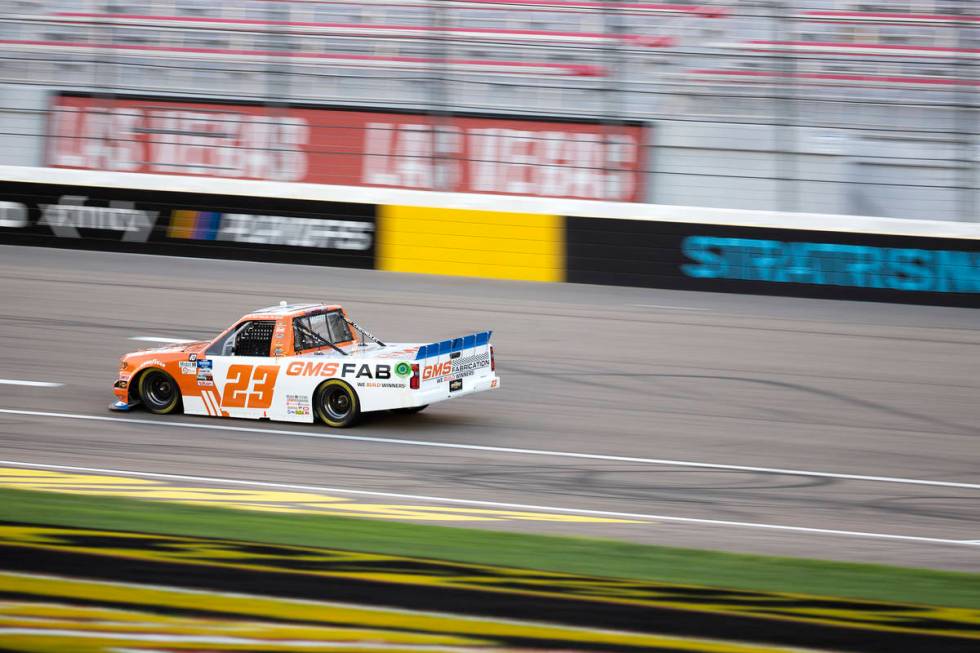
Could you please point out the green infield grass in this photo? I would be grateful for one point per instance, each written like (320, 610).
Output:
(561, 554)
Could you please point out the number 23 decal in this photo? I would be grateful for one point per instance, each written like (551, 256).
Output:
(250, 387)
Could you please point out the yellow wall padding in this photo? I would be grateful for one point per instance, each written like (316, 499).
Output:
(490, 244)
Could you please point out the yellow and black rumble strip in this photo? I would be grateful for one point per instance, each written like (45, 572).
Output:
(47, 613)
(56, 580)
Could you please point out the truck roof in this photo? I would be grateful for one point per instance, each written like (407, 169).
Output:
(284, 309)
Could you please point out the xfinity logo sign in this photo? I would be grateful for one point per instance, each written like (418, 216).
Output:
(13, 215)
(325, 233)
(70, 214)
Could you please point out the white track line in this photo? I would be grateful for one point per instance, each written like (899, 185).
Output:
(675, 308)
(498, 504)
(479, 447)
(33, 384)
(166, 341)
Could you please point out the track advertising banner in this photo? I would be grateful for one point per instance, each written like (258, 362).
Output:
(188, 224)
(488, 243)
(756, 260)
(541, 157)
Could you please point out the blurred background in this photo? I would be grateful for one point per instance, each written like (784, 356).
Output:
(654, 407)
(824, 106)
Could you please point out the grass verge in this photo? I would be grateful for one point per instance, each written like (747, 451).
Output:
(562, 554)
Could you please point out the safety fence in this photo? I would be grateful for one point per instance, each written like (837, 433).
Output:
(864, 107)
(519, 238)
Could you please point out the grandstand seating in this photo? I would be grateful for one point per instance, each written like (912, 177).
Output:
(482, 35)
(61, 48)
(867, 80)
(890, 16)
(478, 37)
(650, 49)
(884, 47)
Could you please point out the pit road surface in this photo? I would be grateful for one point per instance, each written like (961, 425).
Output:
(841, 388)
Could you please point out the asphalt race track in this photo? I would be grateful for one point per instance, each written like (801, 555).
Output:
(837, 389)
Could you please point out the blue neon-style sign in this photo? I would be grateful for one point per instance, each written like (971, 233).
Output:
(858, 266)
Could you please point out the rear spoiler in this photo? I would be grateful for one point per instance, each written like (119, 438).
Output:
(478, 339)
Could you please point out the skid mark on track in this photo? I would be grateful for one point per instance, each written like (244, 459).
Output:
(267, 500)
(166, 423)
(586, 379)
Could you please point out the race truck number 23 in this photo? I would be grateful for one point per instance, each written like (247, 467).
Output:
(329, 369)
(250, 386)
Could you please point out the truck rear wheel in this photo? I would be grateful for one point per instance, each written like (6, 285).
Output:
(336, 404)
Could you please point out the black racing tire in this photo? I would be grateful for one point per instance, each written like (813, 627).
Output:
(411, 410)
(158, 392)
(336, 404)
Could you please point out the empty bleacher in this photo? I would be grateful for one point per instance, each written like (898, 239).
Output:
(554, 56)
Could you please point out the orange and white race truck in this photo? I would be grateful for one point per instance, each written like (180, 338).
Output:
(296, 363)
